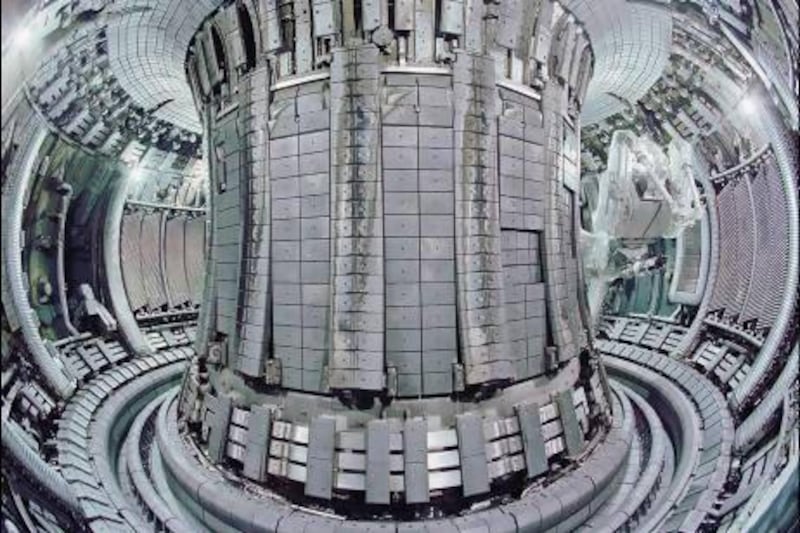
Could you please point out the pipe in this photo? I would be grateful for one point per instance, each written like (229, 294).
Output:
(778, 504)
(9, 525)
(741, 166)
(772, 481)
(60, 268)
(111, 260)
(682, 425)
(162, 259)
(166, 207)
(55, 375)
(21, 510)
(785, 151)
(138, 474)
(751, 430)
(42, 474)
(206, 316)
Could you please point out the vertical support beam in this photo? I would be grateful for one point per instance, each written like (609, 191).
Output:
(229, 220)
(554, 242)
(255, 318)
(479, 284)
(357, 355)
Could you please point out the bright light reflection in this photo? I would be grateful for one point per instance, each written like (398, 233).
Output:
(21, 37)
(748, 105)
(135, 175)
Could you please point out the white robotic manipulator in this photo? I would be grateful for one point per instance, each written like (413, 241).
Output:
(645, 194)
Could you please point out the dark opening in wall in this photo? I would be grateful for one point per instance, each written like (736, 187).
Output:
(219, 51)
(248, 37)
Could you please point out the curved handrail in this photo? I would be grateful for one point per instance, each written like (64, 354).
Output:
(681, 422)
(42, 473)
(737, 331)
(111, 259)
(167, 207)
(54, 373)
(785, 152)
(137, 472)
(769, 495)
(689, 341)
(627, 505)
(741, 166)
(60, 259)
(752, 427)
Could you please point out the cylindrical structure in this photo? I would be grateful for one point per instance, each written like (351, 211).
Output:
(394, 305)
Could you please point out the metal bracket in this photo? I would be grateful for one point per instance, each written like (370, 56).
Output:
(391, 381)
(551, 358)
(218, 353)
(326, 379)
(272, 374)
(459, 377)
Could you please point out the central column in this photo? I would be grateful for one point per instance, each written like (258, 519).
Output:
(391, 309)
